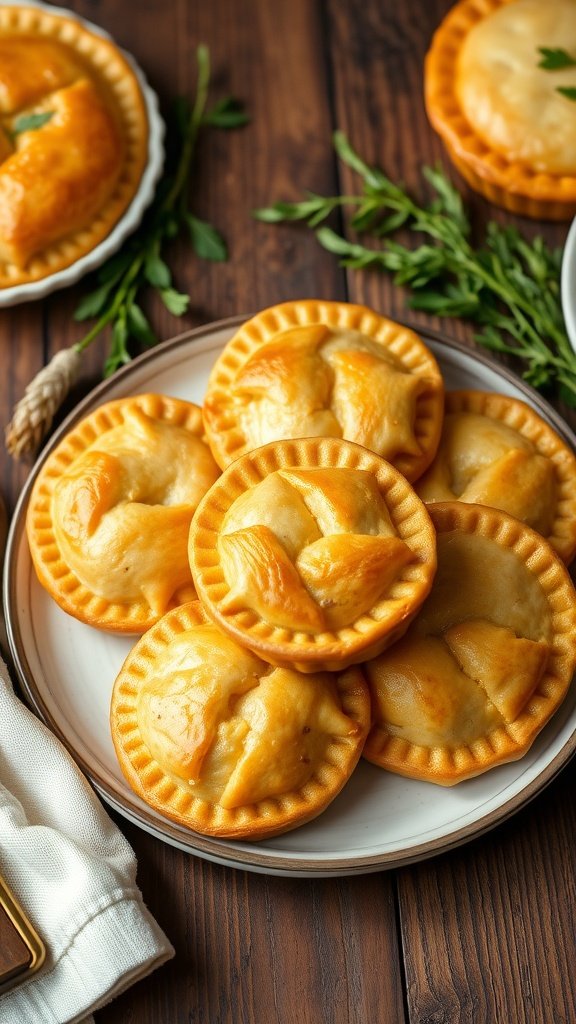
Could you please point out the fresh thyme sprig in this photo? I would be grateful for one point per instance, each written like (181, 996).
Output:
(509, 286)
(141, 263)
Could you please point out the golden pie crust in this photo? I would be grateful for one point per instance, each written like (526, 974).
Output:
(65, 183)
(505, 126)
(487, 661)
(496, 450)
(110, 511)
(314, 553)
(309, 368)
(221, 742)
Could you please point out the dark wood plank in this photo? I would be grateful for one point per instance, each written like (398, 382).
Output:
(489, 931)
(476, 924)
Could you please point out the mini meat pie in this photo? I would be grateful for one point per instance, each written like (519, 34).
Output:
(496, 450)
(223, 743)
(487, 661)
(73, 141)
(311, 368)
(507, 126)
(110, 511)
(314, 553)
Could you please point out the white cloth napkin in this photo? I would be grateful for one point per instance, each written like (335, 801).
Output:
(73, 873)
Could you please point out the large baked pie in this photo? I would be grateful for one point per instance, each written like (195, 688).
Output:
(223, 743)
(505, 124)
(496, 450)
(315, 553)
(73, 141)
(487, 661)
(110, 511)
(309, 368)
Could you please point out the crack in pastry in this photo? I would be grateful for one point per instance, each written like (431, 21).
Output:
(110, 511)
(73, 141)
(488, 659)
(313, 552)
(310, 369)
(215, 738)
(505, 125)
(497, 451)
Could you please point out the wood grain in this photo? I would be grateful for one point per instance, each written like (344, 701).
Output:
(487, 932)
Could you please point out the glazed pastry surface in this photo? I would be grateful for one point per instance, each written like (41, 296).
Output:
(506, 126)
(73, 141)
(312, 369)
(497, 451)
(487, 660)
(311, 552)
(223, 742)
(119, 496)
(510, 101)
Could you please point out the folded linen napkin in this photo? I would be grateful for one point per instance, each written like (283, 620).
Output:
(73, 873)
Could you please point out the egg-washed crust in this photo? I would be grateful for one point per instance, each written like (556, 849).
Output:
(511, 184)
(509, 742)
(54, 574)
(226, 438)
(384, 623)
(119, 85)
(521, 417)
(254, 821)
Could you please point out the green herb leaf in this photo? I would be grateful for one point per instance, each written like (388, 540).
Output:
(227, 113)
(555, 60)
(139, 327)
(156, 271)
(94, 303)
(141, 262)
(508, 285)
(30, 122)
(569, 91)
(176, 302)
(207, 242)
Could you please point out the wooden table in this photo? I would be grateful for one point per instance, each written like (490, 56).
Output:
(487, 932)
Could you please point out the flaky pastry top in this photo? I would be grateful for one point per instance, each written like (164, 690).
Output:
(310, 547)
(227, 744)
(73, 140)
(511, 102)
(115, 501)
(496, 450)
(308, 369)
(487, 660)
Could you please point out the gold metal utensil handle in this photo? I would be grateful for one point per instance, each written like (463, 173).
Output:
(21, 949)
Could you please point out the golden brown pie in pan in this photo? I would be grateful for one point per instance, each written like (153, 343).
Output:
(315, 553)
(73, 141)
(506, 124)
(496, 450)
(110, 511)
(222, 742)
(487, 661)
(310, 368)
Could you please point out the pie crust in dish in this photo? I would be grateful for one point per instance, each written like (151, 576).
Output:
(496, 450)
(73, 141)
(309, 368)
(505, 125)
(110, 511)
(314, 553)
(225, 744)
(487, 661)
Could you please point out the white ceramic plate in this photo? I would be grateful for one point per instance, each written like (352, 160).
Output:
(133, 215)
(568, 284)
(380, 820)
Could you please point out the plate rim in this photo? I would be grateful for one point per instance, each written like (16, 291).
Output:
(221, 850)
